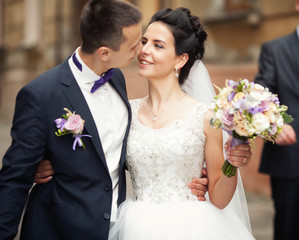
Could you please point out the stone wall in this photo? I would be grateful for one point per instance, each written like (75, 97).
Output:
(37, 35)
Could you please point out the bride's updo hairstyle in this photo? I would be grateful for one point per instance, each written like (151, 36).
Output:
(188, 33)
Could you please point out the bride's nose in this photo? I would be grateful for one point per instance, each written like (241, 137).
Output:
(145, 49)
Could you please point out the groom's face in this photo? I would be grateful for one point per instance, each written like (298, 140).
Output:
(128, 49)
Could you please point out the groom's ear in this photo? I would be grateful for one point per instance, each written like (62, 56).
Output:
(181, 60)
(104, 53)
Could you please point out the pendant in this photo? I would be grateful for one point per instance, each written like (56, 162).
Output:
(154, 118)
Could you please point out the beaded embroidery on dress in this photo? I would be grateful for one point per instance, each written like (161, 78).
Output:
(161, 163)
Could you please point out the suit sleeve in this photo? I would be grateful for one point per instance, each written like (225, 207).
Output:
(29, 135)
(266, 75)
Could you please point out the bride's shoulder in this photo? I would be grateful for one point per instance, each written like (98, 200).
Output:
(201, 105)
(135, 102)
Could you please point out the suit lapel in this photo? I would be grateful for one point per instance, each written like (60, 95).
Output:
(121, 91)
(123, 94)
(79, 104)
(295, 48)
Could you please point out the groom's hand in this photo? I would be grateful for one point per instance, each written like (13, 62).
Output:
(44, 172)
(199, 186)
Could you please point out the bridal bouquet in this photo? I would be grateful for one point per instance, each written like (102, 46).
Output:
(246, 110)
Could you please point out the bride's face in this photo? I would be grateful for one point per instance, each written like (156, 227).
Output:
(157, 59)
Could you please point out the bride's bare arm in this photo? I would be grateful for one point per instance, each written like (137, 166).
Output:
(221, 188)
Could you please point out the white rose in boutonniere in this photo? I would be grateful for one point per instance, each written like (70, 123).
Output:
(71, 123)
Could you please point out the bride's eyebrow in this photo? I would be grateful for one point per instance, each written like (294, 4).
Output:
(155, 40)
(159, 41)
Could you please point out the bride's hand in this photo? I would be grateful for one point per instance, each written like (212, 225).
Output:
(238, 156)
(44, 172)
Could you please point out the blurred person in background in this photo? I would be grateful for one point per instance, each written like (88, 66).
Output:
(279, 71)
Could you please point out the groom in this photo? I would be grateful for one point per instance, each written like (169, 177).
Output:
(81, 200)
(88, 185)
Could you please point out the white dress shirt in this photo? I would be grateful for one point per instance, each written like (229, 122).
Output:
(111, 118)
(298, 31)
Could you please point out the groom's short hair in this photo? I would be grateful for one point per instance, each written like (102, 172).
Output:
(102, 22)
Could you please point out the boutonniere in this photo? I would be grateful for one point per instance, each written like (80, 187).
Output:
(71, 123)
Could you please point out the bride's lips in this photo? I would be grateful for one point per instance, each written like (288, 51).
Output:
(143, 62)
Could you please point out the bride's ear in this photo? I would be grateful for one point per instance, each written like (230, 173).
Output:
(181, 61)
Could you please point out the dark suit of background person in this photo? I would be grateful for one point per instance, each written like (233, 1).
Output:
(76, 203)
(279, 71)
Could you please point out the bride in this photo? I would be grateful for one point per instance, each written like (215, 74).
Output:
(169, 141)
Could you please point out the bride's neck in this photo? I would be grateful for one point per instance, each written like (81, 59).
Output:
(161, 94)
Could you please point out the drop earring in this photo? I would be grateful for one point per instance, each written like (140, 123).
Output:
(176, 73)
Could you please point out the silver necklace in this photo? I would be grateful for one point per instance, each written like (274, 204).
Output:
(154, 114)
(158, 113)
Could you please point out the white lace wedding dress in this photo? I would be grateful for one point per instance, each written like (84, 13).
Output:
(161, 163)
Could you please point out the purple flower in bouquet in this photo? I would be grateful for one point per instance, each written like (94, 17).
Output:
(228, 119)
(255, 110)
(246, 111)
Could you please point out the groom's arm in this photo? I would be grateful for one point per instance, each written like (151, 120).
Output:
(21, 159)
(198, 186)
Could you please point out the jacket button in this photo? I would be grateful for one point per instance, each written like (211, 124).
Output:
(107, 216)
(108, 187)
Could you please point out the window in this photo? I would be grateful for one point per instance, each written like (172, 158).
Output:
(235, 5)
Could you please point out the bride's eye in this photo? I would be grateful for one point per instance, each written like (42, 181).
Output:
(159, 46)
(143, 42)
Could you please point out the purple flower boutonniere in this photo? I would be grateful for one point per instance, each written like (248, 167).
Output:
(71, 123)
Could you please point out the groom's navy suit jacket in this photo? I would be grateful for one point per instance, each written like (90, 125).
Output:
(279, 71)
(76, 203)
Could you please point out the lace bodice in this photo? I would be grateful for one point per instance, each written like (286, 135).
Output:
(163, 161)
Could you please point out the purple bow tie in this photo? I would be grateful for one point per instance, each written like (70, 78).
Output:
(103, 79)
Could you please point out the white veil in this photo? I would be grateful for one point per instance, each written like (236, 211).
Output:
(199, 86)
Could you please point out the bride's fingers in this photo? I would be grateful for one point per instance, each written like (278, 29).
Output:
(42, 180)
(239, 158)
(243, 147)
(239, 161)
(239, 154)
